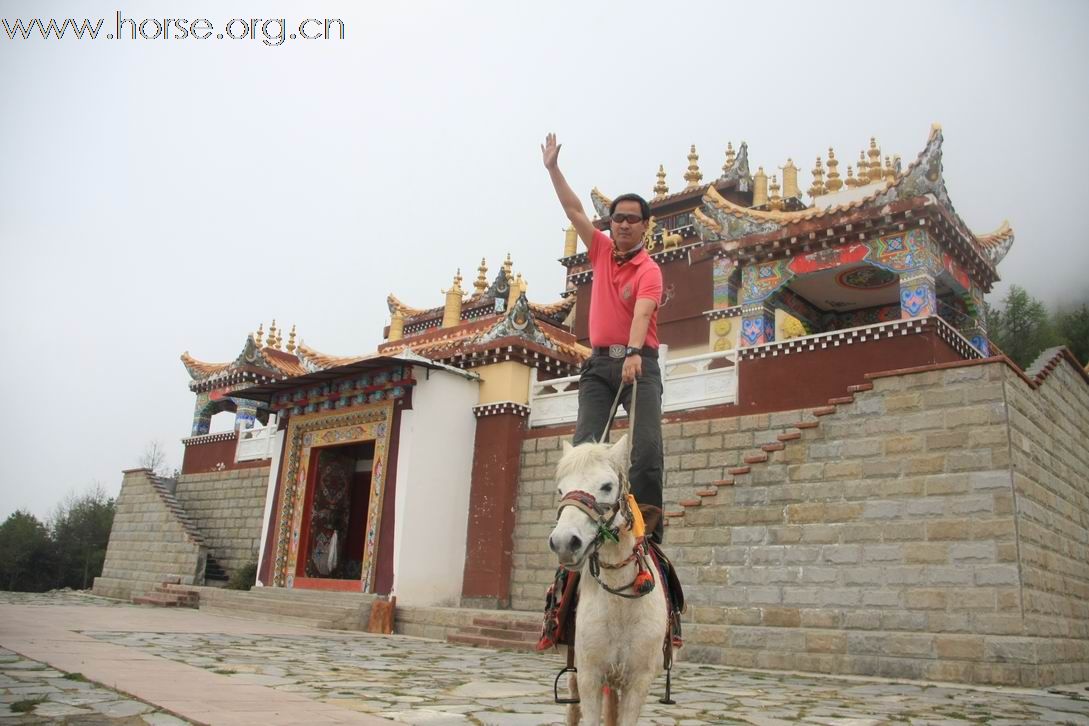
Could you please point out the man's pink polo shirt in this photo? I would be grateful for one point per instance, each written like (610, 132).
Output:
(615, 290)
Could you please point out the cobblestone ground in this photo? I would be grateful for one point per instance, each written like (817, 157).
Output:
(418, 681)
(33, 693)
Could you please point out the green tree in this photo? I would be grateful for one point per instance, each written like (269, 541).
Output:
(1073, 327)
(1022, 327)
(81, 530)
(26, 554)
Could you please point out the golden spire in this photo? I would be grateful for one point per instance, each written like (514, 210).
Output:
(863, 169)
(730, 157)
(507, 264)
(260, 334)
(851, 182)
(515, 291)
(760, 188)
(291, 340)
(818, 180)
(397, 324)
(875, 161)
(570, 241)
(775, 202)
(481, 283)
(790, 180)
(693, 175)
(451, 315)
(834, 182)
(890, 173)
(660, 189)
(273, 340)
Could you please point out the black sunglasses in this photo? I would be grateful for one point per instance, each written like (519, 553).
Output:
(629, 218)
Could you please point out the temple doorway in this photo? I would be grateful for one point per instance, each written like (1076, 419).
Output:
(335, 522)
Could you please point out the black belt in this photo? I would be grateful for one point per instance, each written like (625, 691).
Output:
(618, 351)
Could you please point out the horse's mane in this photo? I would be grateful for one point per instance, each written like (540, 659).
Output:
(583, 457)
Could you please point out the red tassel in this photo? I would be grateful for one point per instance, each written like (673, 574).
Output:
(644, 582)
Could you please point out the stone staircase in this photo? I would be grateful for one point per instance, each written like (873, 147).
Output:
(313, 608)
(170, 594)
(519, 633)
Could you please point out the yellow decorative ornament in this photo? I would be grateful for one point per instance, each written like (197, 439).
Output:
(793, 328)
(723, 344)
(723, 327)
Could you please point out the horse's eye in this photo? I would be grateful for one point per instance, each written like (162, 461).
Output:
(606, 487)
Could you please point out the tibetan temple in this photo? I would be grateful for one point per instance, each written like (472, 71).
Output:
(846, 452)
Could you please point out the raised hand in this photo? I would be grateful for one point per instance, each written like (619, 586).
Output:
(550, 150)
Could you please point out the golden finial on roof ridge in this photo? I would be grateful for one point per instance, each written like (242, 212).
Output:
(693, 175)
(396, 325)
(759, 187)
(890, 173)
(818, 188)
(451, 314)
(834, 182)
(507, 264)
(272, 333)
(660, 188)
(570, 241)
(291, 340)
(775, 202)
(481, 283)
(851, 182)
(259, 335)
(875, 160)
(790, 180)
(731, 157)
(515, 291)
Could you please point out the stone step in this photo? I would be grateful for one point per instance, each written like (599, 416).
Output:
(860, 387)
(159, 600)
(530, 626)
(479, 641)
(324, 611)
(792, 436)
(311, 596)
(271, 617)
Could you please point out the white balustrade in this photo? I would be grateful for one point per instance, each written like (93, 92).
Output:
(256, 443)
(691, 382)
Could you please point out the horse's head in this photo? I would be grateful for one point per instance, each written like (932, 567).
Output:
(588, 481)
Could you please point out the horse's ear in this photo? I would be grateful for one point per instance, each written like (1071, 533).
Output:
(619, 453)
(567, 447)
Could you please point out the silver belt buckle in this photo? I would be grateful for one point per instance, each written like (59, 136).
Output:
(617, 351)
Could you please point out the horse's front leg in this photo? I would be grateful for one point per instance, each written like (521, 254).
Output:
(590, 682)
(574, 713)
(632, 699)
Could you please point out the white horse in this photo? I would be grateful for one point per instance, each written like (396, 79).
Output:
(619, 633)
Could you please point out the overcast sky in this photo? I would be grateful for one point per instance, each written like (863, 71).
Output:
(163, 196)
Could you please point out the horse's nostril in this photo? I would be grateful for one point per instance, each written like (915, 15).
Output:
(576, 543)
(552, 545)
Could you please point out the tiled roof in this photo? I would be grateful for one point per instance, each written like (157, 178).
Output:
(321, 361)
(200, 369)
(553, 309)
(284, 362)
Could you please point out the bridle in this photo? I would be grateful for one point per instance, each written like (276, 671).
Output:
(603, 517)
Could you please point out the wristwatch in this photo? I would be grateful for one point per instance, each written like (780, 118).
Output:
(630, 351)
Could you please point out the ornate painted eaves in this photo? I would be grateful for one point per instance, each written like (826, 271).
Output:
(517, 323)
(995, 245)
(601, 202)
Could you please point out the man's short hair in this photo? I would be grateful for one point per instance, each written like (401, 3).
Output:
(644, 207)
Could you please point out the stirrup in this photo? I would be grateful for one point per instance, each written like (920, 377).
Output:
(556, 686)
(667, 699)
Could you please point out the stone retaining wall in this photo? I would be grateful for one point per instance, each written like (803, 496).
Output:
(884, 540)
(150, 540)
(227, 507)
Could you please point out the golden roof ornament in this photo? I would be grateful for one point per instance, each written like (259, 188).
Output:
(481, 283)
(775, 202)
(890, 173)
(834, 182)
(570, 241)
(272, 335)
(818, 180)
(451, 314)
(875, 161)
(397, 325)
(291, 340)
(790, 180)
(507, 264)
(730, 158)
(660, 188)
(851, 182)
(259, 335)
(759, 188)
(515, 291)
(693, 175)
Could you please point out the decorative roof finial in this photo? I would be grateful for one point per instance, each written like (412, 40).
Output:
(570, 241)
(451, 314)
(890, 173)
(291, 340)
(730, 158)
(775, 202)
(515, 291)
(660, 189)
(481, 283)
(790, 180)
(397, 325)
(260, 334)
(273, 339)
(507, 264)
(760, 188)
(693, 175)
(834, 182)
(851, 182)
(818, 180)
(875, 161)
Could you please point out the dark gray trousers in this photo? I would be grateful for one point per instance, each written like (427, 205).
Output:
(599, 381)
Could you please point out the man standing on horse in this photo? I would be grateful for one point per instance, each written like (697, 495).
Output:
(626, 291)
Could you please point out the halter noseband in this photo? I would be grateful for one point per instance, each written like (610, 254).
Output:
(601, 516)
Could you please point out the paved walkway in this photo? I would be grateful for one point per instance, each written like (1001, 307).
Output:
(221, 670)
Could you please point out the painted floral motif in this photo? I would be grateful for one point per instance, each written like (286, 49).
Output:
(752, 330)
(917, 301)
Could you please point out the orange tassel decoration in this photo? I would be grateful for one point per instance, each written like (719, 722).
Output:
(644, 582)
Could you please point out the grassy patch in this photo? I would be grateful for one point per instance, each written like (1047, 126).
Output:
(28, 705)
(75, 677)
